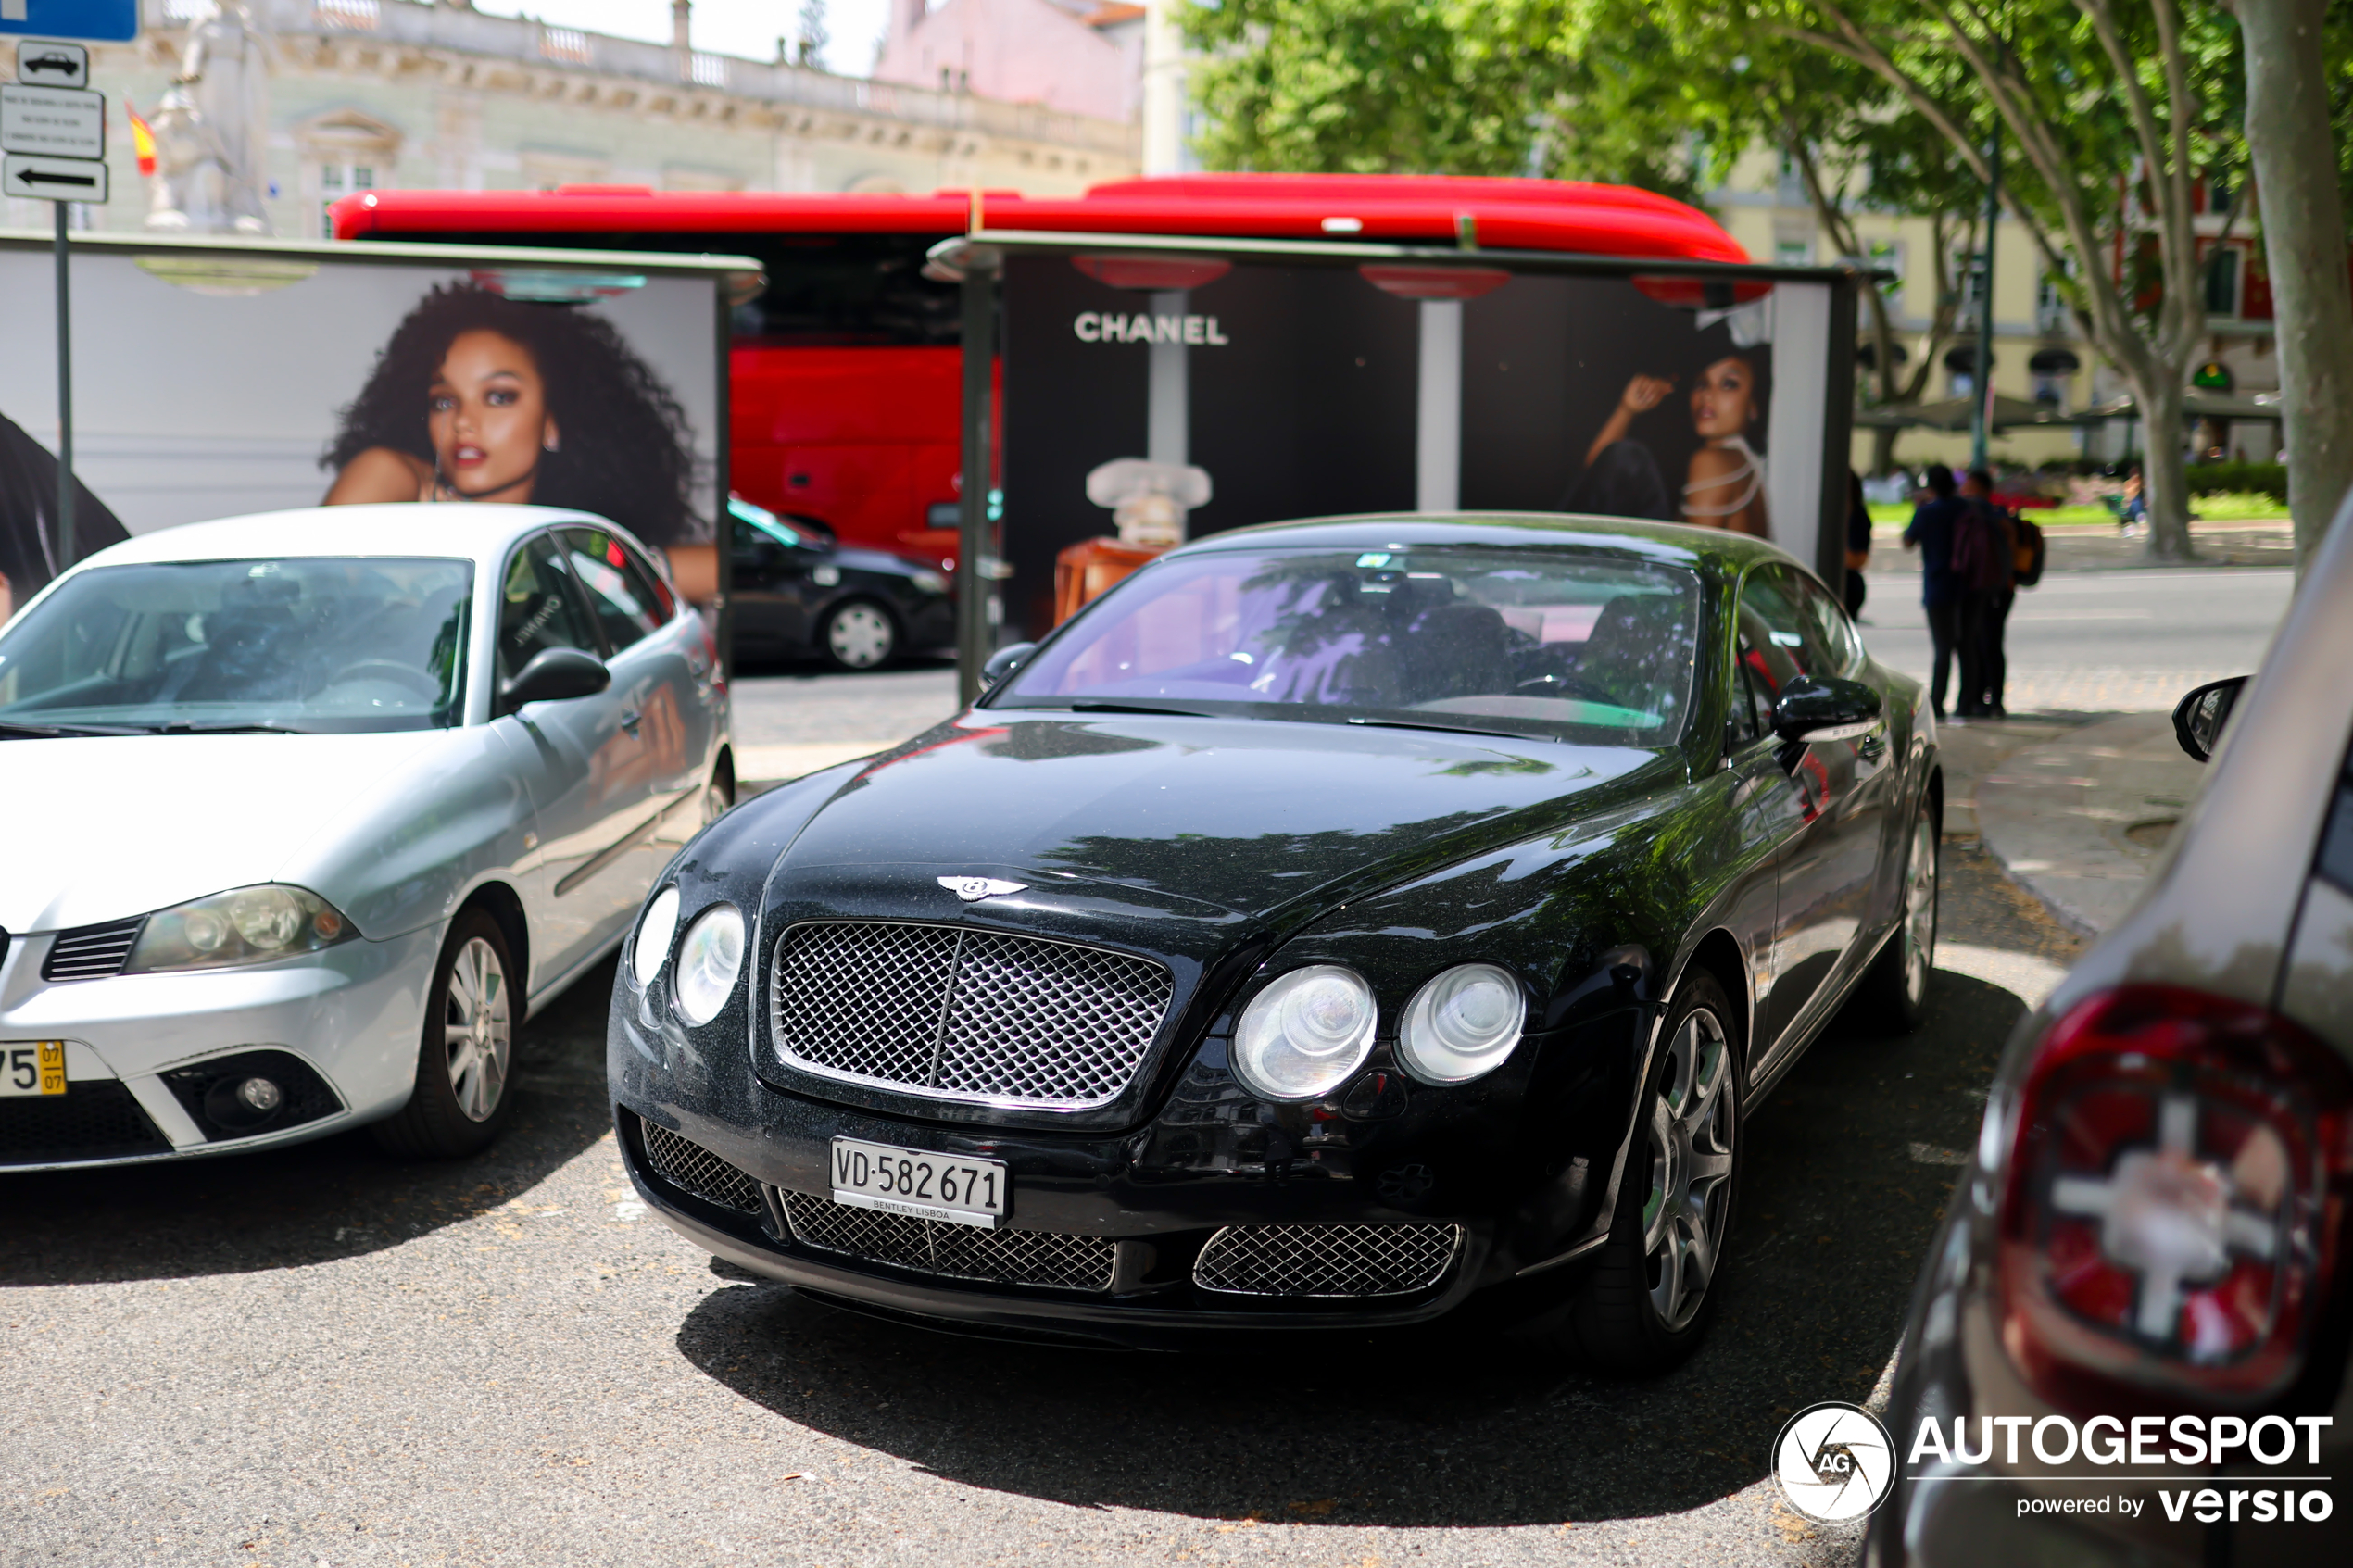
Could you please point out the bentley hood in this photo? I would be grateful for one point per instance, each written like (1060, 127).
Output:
(1212, 816)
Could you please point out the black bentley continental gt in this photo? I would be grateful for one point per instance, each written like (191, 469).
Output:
(1338, 924)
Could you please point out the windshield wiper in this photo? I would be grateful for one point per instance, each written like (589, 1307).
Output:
(183, 727)
(1085, 706)
(1444, 729)
(10, 728)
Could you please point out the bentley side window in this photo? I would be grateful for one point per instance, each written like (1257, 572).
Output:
(1775, 596)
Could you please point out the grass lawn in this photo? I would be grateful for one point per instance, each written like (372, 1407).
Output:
(2219, 507)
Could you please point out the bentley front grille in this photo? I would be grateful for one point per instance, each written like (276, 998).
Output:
(966, 1014)
(92, 952)
(689, 1167)
(935, 1247)
(1327, 1260)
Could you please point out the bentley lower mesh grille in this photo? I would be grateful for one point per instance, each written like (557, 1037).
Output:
(92, 952)
(1001, 1257)
(691, 1168)
(1327, 1260)
(966, 1014)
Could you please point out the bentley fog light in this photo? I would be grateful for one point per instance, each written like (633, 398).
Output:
(243, 925)
(1461, 1024)
(708, 959)
(1305, 1034)
(659, 924)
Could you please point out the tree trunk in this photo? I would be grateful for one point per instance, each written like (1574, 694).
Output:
(1884, 449)
(2295, 180)
(2165, 481)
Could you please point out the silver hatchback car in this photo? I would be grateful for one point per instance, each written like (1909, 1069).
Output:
(2130, 1342)
(306, 810)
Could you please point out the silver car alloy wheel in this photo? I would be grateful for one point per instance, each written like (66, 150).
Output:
(478, 1029)
(1692, 1129)
(1919, 911)
(859, 635)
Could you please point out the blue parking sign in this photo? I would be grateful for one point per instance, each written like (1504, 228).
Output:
(95, 21)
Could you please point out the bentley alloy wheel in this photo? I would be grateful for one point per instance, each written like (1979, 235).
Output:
(1691, 1133)
(466, 1056)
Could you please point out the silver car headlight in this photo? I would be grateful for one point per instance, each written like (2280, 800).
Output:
(244, 926)
(1305, 1034)
(1461, 1024)
(655, 928)
(708, 959)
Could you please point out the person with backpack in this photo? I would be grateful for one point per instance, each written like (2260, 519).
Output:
(1985, 561)
(1931, 533)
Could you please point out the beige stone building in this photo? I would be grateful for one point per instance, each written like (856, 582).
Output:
(386, 93)
(2039, 354)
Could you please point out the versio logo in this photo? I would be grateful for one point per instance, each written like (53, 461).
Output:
(1834, 1461)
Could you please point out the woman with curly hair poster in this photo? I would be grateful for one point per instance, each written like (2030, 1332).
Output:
(480, 397)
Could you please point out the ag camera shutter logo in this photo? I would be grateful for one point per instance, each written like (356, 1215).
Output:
(1834, 1461)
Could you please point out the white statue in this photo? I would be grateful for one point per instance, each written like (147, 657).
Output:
(212, 130)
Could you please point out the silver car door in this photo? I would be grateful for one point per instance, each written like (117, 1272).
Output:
(653, 652)
(579, 765)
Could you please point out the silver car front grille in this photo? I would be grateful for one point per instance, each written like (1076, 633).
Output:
(966, 1014)
(999, 1257)
(92, 952)
(1327, 1260)
(689, 1166)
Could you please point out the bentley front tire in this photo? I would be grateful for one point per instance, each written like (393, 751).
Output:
(1645, 1303)
(463, 1098)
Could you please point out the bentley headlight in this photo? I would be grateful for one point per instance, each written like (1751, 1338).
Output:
(707, 961)
(1305, 1034)
(1461, 1024)
(655, 929)
(243, 925)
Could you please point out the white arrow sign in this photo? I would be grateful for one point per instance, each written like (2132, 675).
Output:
(53, 121)
(53, 179)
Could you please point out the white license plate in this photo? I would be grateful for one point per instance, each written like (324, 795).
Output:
(929, 1186)
(33, 1067)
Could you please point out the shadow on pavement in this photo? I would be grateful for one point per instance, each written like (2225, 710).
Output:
(310, 1203)
(1850, 1163)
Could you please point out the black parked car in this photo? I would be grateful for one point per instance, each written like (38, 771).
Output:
(799, 591)
(1333, 921)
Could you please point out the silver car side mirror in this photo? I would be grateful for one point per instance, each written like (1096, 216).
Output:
(2199, 717)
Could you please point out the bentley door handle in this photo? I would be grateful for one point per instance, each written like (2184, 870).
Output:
(630, 720)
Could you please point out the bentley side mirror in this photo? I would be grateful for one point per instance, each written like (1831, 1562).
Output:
(2199, 717)
(1003, 662)
(1826, 708)
(555, 675)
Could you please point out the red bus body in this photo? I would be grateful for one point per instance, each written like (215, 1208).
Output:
(853, 419)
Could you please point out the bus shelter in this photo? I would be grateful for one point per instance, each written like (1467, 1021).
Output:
(1165, 387)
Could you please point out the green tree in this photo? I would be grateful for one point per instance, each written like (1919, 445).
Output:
(2113, 110)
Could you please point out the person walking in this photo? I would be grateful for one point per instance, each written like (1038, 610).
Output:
(1984, 562)
(1931, 533)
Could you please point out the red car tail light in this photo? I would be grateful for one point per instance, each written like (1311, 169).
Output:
(2173, 1211)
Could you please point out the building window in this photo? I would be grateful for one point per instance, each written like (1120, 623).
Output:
(337, 181)
(1969, 267)
(2052, 314)
(1793, 253)
(2223, 280)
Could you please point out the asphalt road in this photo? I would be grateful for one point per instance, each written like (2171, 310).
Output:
(324, 1356)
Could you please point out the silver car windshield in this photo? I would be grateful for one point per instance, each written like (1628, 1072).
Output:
(199, 646)
(1525, 641)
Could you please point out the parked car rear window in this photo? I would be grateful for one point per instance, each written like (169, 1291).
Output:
(324, 644)
(1534, 641)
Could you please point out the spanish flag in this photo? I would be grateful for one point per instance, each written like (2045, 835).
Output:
(143, 139)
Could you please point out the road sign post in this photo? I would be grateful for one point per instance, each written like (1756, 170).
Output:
(53, 134)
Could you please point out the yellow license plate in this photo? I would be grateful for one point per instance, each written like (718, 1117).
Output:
(33, 1067)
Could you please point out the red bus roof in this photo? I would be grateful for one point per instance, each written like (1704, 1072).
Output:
(1555, 215)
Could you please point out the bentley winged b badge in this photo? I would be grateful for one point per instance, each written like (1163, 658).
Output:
(971, 889)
